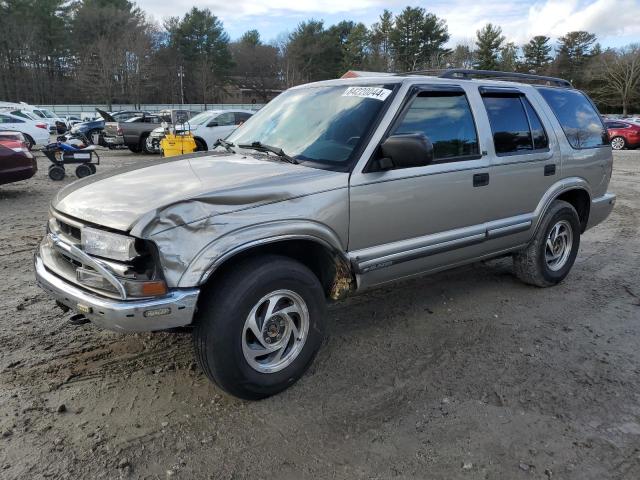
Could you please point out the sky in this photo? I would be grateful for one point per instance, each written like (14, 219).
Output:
(615, 22)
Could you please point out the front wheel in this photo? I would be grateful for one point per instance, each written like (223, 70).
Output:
(201, 146)
(549, 257)
(259, 327)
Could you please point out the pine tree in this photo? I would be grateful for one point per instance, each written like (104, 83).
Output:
(489, 42)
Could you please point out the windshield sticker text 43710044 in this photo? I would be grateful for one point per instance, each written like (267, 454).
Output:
(376, 93)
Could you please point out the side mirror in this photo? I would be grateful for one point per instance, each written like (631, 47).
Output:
(405, 151)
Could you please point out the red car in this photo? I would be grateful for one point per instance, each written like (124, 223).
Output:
(623, 134)
(16, 161)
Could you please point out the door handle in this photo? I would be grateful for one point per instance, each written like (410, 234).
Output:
(480, 179)
(550, 169)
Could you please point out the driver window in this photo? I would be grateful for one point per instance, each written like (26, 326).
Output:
(446, 119)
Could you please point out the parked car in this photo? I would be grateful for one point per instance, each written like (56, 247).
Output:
(623, 134)
(59, 124)
(35, 132)
(71, 120)
(132, 133)
(16, 161)
(96, 126)
(207, 127)
(331, 189)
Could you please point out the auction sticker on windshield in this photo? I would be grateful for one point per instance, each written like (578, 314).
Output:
(367, 92)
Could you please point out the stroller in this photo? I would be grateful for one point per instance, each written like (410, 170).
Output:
(62, 153)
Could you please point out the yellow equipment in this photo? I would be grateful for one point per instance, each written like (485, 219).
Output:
(177, 144)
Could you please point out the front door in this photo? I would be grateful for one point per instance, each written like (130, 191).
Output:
(412, 220)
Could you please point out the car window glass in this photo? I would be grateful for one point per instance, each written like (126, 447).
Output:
(509, 123)
(446, 119)
(242, 117)
(540, 139)
(225, 119)
(578, 117)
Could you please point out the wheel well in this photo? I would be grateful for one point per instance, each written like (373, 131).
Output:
(581, 202)
(331, 269)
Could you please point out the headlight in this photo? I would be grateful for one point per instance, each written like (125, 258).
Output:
(108, 245)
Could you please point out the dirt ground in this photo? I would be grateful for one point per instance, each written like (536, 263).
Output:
(467, 374)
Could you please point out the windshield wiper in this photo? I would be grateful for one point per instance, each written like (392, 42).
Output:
(261, 147)
(225, 144)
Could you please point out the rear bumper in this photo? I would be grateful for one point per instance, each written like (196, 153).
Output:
(600, 209)
(113, 141)
(175, 309)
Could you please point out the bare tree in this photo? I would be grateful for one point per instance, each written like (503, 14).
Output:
(617, 73)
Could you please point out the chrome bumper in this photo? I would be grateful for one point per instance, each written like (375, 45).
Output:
(600, 209)
(175, 309)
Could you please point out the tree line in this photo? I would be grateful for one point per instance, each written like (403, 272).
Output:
(108, 51)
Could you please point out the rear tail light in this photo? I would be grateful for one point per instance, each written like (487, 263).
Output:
(42, 125)
(118, 131)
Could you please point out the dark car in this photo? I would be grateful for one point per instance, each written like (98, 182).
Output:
(96, 126)
(133, 132)
(16, 161)
(623, 134)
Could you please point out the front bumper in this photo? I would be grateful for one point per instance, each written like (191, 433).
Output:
(601, 207)
(177, 307)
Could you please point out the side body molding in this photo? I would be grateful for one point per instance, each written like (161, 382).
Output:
(221, 249)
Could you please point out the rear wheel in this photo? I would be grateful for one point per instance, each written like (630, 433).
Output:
(549, 257)
(30, 142)
(260, 326)
(92, 167)
(135, 148)
(56, 173)
(83, 171)
(618, 143)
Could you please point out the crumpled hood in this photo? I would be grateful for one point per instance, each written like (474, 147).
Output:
(173, 192)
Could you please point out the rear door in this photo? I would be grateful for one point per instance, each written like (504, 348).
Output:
(412, 220)
(525, 163)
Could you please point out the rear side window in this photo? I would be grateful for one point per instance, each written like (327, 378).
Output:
(515, 125)
(446, 119)
(578, 117)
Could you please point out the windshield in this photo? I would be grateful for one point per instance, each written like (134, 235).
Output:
(48, 113)
(202, 118)
(319, 125)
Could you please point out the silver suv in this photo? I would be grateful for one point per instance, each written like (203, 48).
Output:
(331, 189)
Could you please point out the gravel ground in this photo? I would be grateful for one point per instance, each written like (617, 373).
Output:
(467, 374)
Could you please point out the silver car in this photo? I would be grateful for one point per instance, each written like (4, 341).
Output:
(331, 189)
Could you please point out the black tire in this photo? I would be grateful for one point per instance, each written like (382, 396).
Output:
(30, 141)
(220, 321)
(56, 173)
(92, 167)
(201, 145)
(134, 148)
(618, 143)
(83, 170)
(531, 266)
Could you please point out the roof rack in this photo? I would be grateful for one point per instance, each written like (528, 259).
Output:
(466, 74)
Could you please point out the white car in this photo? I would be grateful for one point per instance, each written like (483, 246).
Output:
(35, 131)
(207, 127)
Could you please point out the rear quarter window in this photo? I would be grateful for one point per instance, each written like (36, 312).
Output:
(578, 118)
